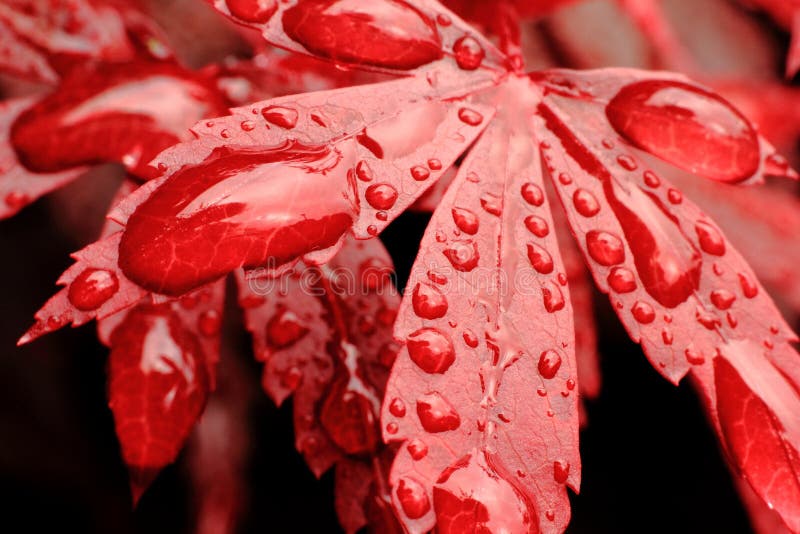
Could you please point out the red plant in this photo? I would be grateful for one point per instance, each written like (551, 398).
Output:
(457, 407)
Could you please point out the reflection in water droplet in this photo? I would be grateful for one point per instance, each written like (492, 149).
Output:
(643, 312)
(436, 414)
(431, 349)
(540, 259)
(468, 52)
(710, 239)
(92, 288)
(621, 280)
(552, 297)
(470, 116)
(428, 301)
(585, 203)
(651, 180)
(280, 116)
(605, 248)
(381, 196)
(532, 194)
(420, 173)
(627, 162)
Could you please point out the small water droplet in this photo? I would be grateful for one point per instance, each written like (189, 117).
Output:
(364, 171)
(248, 125)
(549, 363)
(468, 52)
(550, 515)
(643, 312)
(470, 338)
(420, 173)
(463, 255)
(585, 203)
(749, 287)
(224, 134)
(710, 239)
(255, 11)
(16, 200)
(492, 203)
(532, 194)
(443, 20)
(428, 301)
(674, 196)
(722, 299)
(605, 248)
(627, 162)
(651, 180)
(621, 280)
(537, 225)
(540, 259)
(560, 471)
(707, 318)
(436, 414)
(381, 196)
(392, 428)
(552, 297)
(570, 384)
(417, 449)
(92, 288)
(431, 349)
(564, 178)
(291, 378)
(382, 216)
(280, 116)
(434, 164)
(372, 230)
(470, 116)
(666, 336)
(465, 220)
(694, 357)
(732, 321)
(437, 278)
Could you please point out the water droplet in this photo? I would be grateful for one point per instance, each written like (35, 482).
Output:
(16, 200)
(364, 171)
(284, 329)
(585, 203)
(434, 164)
(621, 280)
(552, 297)
(382, 216)
(389, 33)
(651, 180)
(643, 312)
(732, 321)
(492, 203)
(347, 418)
(749, 287)
(428, 301)
(248, 125)
(436, 414)
(532, 194)
(666, 336)
(562, 279)
(537, 225)
(437, 278)
(710, 239)
(540, 259)
(570, 384)
(688, 127)
(255, 11)
(550, 515)
(224, 134)
(92, 288)
(469, 53)
(366, 141)
(443, 20)
(417, 449)
(674, 196)
(420, 173)
(605, 248)
(560, 471)
(441, 237)
(717, 269)
(412, 498)
(694, 357)
(431, 349)
(463, 255)
(707, 319)
(280, 116)
(470, 116)
(372, 230)
(392, 428)
(209, 323)
(549, 363)
(564, 178)
(466, 220)
(722, 299)
(470, 338)
(397, 407)
(381, 196)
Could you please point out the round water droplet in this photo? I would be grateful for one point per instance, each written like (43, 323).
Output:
(397, 407)
(364, 171)
(468, 52)
(722, 299)
(470, 116)
(585, 203)
(16, 200)
(540, 259)
(436, 414)
(381, 196)
(280, 116)
(465, 220)
(674, 196)
(392, 428)
(492, 203)
(412, 498)
(383, 33)
(248, 125)
(552, 297)
(463, 255)
(687, 126)
(428, 301)
(549, 363)
(470, 338)
(605, 248)
(537, 225)
(570, 384)
(434, 164)
(627, 162)
(621, 280)
(532, 194)
(284, 329)
(749, 287)
(643, 312)
(420, 173)
(710, 239)
(560, 471)
(255, 11)
(564, 178)
(417, 449)
(431, 349)
(92, 288)
(209, 323)
(651, 180)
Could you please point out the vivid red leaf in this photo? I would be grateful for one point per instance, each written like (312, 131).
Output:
(489, 362)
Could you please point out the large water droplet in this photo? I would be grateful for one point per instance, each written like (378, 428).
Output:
(468, 52)
(537, 225)
(280, 116)
(585, 203)
(397, 407)
(284, 329)
(532, 194)
(711, 241)
(463, 255)
(431, 349)
(605, 248)
(465, 220)
(381, 196)
(643, 312)
(472, 496)
(383, 33)
(92, 288)
(540, 259)
(688, 127)
(436, 414)
(549, 363)
(412, 498)
(428, 301)
(621, 280)
(255, 11)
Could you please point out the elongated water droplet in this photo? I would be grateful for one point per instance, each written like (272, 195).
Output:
(749, 287)
(552, 297)
(688, 127)
(627, 162)
(537, 225)
(428, 301)
(280, 116)
(383, 33)
(466, 220)
(492, 203)
(463, 255)
(651, 180)
(92, 288)
(540, 259)
(431, 349)
(549, 363)
(468, 52)
(710, 239)
(364, 171)
(436, 414)
(381, 196)
(412, 498)
(470, 338)
(722, 299)
(560, 471)
(470, 116)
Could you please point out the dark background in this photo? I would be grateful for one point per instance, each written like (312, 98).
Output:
(650, 461)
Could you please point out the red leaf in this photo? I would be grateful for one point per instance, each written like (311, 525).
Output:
(19, 186)
(124, 113)
(476, 441)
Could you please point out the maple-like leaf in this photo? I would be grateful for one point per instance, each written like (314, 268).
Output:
(324, 335)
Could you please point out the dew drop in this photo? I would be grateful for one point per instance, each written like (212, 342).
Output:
(436, 414)
(465, 220)
(92, 288)
(667, 337)
(470, 338)
(284, 329)
(291, 378)
(674, 196)
(643, 312)
(470, 116)
(468, 52)
(560, 471)
(364, 171)
(722, 299)
(392, 428)
(428, 301)
(434, 164)
(431, 349)
(585, 203)
(417, 449)
(224, 134)
(372, 230)
(605, 248)
(492, 204)
(621, 280)
(420, 173)
(570, 384)
(540, 259)
(549, 363)
(627, 162)
(564, 178)
(694, 357)
(412, 498)
(552, 297)
(280, 116)
(687, 126)
(710, 239)
(16, 200)
(382, 216)
(437, 278)
(537, 225)
(749, 287)
(651, 180)
(381, 196)
(255, 11)
(532, 194)
(463, 255)
(248, 126)
(707, 319)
